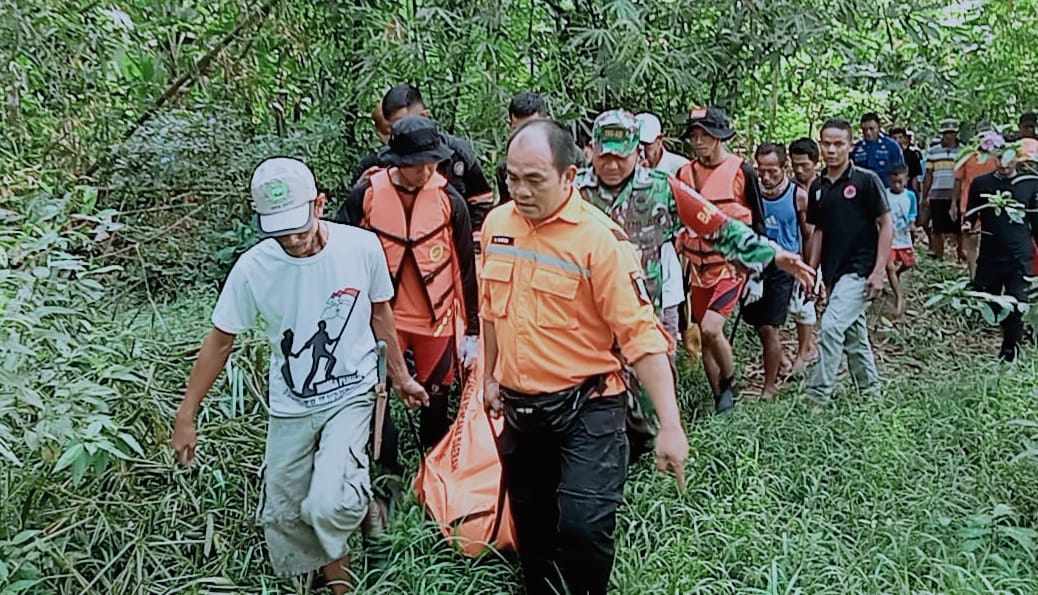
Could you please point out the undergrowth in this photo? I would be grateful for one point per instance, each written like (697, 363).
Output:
(918, 491)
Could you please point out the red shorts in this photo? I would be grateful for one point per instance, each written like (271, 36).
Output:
(904, 257)
(721, 298)
(433, 357)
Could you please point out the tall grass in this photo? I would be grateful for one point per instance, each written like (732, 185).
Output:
(913, 492)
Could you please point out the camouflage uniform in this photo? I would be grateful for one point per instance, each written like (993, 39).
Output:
(648, 207)
(645, 208)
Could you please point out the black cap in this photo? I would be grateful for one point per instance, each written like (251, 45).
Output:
(1029, 118)
(712, 120)
(414, 140)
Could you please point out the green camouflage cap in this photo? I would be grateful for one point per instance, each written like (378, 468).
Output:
(615, 132)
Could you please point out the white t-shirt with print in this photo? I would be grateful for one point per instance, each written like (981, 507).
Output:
(318, 315)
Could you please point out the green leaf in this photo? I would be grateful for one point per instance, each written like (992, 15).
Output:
(79, 467)
(132, 443)
(147, 64)
(70, 455)
(24, 537)
(1026, 454)
(974, 532)
(106, 446)
(987, 313)
(98, 463)
(1021, 535)
(973, 545)
(1002, 510)
(20, 586)
(1008, 157)
(122, 373)
(8, 454)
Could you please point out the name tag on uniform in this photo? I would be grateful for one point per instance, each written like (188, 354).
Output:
(502, 240)
(640, 288)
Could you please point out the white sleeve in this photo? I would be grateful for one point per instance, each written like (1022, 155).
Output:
(235, 310)
(381, 287)
(673, 283)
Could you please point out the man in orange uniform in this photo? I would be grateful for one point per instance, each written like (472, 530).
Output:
(730, 183)
(561, 284)
(424, 227)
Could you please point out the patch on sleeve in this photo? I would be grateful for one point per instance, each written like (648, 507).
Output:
(502, 240)
(620, 234)
(640, 288)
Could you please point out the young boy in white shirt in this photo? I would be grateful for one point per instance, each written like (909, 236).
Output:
(904, 209)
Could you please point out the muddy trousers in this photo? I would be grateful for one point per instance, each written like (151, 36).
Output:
(565, 485)
(1005, 279)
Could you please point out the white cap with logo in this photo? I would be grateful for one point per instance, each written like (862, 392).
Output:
(650, 127)
(282, 192)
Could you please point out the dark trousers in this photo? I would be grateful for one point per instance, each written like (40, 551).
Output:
(433, 421)
(1005, 279)
(565, 486)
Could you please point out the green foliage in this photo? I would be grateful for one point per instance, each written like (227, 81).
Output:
(957, 295)
(781, 497)
(59, 385)
(105, 282)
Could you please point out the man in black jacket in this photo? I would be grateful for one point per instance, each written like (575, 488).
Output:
(523, 107)
(1004, 203)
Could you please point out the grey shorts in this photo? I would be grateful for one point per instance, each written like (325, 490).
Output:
(317, 486)
(802, 309)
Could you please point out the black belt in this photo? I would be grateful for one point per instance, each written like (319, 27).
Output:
(548, 412)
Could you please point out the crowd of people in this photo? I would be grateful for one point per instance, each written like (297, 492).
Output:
(591, 262)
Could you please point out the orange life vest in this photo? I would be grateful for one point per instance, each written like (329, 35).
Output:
(426, 238)
(717, 186)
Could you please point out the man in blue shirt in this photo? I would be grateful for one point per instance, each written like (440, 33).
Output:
(876, 151)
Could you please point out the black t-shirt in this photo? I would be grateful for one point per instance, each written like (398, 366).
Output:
(846, 211)
(464, 173)
(1003, 240)
(501, 177)
(366, 162)
(914, 161)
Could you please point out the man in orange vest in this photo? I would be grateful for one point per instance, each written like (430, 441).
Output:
(423, 224)
(730, 183)
(460, 166)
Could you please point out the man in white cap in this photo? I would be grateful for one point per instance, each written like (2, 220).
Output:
(324, 292)
(656, 156)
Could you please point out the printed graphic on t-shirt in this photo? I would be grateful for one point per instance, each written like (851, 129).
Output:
(308, 371)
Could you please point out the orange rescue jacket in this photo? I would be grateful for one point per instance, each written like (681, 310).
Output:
(427, 238)
(717, 186)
